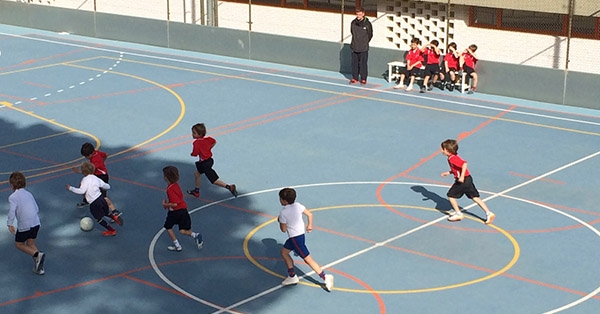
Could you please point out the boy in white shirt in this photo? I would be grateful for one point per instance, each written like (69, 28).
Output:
(90, 186)
(290, 221)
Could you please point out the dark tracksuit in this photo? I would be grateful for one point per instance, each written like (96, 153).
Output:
(362, 32)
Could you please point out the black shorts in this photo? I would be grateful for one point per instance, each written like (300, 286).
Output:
(468, 69)
(205, 167)
(457, 190)
(23, 236)
(99, 208)
(179, 217)
(432, 69)
(103, 177)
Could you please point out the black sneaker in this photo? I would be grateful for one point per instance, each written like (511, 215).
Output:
(194, 193)
(442, 86)
(422, 89)
(430, 88)
(450, 87)
(233, 190)
(39, 261)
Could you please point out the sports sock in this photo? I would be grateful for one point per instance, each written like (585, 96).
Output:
(291, 272)
(176, 242)
(322, 275)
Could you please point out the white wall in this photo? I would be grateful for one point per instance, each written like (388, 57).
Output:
(390, 29)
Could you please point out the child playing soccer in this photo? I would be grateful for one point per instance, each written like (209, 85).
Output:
(463, 182)
(97, 158)
(202, 147)
(23, 207)
(290, 221)
(177, 211)
(90, 187)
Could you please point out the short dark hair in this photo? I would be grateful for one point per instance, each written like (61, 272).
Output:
(171, 173)
(288, 195)
(200, 128)
(87, 149)
(360, 9)
(17, 180)
(450, 145)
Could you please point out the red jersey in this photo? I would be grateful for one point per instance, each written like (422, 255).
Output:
(414, 57)
(456, 164)
(202, 147)
(175, 196)
(432, 56)
(470, 60)
(451, 60)
(97, 159)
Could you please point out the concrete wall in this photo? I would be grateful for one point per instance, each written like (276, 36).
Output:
(515, 80)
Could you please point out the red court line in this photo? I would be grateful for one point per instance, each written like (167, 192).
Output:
(531, 177)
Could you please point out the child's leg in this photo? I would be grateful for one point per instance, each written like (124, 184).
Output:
(475, 78)
(171, 234)
(28, 247)
(197, 178)
(481, 204)
(311, 262)
(111, 206)
(289, 262)
(454, 204)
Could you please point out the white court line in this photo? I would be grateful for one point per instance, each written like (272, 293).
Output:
(588, 296)
(465, 104)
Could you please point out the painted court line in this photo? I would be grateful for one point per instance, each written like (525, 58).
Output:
(236, 69)
(376, 245)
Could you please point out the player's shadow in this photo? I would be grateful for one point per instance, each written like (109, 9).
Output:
(441, 204)
(272, 249)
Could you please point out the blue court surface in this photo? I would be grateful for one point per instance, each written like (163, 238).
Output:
(365, 159)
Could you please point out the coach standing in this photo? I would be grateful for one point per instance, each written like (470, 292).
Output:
(362, 32)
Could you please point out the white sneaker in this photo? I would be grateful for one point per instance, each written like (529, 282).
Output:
(174, 248)
(490, 218)
(408, 89)
(328, 282)
(290, 280)
(455, 217)
(399, 86)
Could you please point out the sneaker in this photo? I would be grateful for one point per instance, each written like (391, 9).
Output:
(82, 204)
(109, 233)
(455, 217)
(422, 90)
(471, 90)
(194, 193)
(117, 219)
(233, 190)
(408, 89)
(329, 282)
(442, 86)
(39, 261)
(353, 81)
(39, 272)
(363, 82)
(199, 243)
(174, 248)
(490, 218)
(399, 86)
(291, 280)
(450, 87)
(430, 88)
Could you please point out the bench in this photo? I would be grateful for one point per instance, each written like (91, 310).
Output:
(393, 75)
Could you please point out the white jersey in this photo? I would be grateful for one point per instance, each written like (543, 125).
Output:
(90, 186)
(292, 216)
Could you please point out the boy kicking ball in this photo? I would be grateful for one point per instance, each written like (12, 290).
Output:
(463, 183)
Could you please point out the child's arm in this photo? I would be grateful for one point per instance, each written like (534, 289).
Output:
(446, 173)
(282, 225)
(167, 205)
(463, 170)
(309, 216)
(12, 215)
(76, 169)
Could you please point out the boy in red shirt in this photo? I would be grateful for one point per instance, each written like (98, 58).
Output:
(202, 147)
(414, 62)
(177, 211)
(468, 59)
(432, 69)
(463, 183)
(451, 60)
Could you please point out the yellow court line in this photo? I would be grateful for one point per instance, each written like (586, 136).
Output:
(365, 97)
(35, 139)
(172, 126)
(70, 129)
(513, 261)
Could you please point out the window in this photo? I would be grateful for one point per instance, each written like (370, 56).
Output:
(534, 22)
(370, 6)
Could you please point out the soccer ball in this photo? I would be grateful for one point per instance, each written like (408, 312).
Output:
(86, 224)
